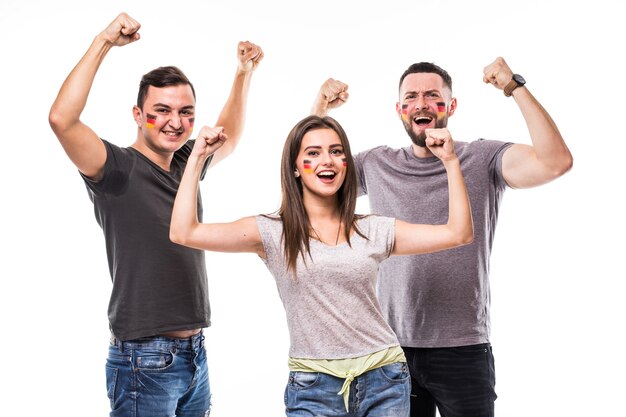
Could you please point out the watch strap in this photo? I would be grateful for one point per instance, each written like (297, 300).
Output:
(512, 85)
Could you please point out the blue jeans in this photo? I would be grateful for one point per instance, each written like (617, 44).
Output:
(459, 381)
(381, 392)
(158, 377)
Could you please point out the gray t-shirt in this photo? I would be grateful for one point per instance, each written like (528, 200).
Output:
(331, 306)
(440, 299)
(158, 286)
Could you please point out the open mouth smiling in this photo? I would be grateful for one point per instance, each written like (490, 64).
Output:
(326, 175)
(422, 120)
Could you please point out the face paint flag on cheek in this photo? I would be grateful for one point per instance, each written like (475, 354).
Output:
(307, 166)
(191, 122)
(150, 120)
(345, 164)
(441, 110)
(404, 112)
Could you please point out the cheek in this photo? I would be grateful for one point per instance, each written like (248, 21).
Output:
(404, 112)
(441, 111)
(307, 166)
(151, 120)
(192, 120)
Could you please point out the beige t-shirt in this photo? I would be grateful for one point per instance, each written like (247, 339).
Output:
(331, 306)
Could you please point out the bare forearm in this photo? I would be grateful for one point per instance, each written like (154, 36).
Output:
(459, 209)
(185, 211)
(233, 115)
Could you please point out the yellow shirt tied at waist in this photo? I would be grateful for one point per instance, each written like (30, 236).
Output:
(350, 368)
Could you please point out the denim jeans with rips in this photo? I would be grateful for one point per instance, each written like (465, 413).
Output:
(158, 377)
(381, 392)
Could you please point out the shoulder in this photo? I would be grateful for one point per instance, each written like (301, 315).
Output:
(268, 223)
(481, 151)
(381, 154)
(376, 151)
(483, 145)
(373, 223)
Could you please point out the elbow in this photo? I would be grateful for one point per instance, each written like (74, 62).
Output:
(561, 166)
(566, 165)
(177, 237)
(56, 120)
(465, 238)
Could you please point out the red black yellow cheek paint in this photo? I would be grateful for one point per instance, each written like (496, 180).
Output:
(191, 122)
(345, 164)
(441, 110)
(150, 120)
(404, 112)
(307, 166)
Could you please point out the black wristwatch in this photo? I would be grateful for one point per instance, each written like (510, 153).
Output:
(516, 81)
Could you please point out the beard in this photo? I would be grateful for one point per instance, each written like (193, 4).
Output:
(420, 138)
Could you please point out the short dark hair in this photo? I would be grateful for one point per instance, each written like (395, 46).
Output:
(162, 77)
(427, 67)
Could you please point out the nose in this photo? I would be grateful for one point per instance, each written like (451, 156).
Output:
(326, 159)
(176, 122)
(420, 103)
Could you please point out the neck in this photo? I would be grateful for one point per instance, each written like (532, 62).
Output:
(325, 220)
(321, 208)
(421, 151)
(162, 159)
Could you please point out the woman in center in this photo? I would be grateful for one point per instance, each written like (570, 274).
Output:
(344, 359)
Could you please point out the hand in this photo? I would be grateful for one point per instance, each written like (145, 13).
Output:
(249, 56)
(498, 73)
(122, 31)
(209, 140)
(440, 143)
(332, 94)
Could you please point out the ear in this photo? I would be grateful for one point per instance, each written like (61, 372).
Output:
(137, 116)
(399, 110)
(296, 173)
(452, 106)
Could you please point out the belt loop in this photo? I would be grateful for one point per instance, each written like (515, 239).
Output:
(117, 342)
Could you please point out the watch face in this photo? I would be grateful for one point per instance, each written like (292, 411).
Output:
(519, 79)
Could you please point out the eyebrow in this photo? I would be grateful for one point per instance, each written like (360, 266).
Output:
(190, 106)
(335, 145)
(425, 92)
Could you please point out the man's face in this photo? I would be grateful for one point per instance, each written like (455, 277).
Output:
(425, 103)
(167, 117)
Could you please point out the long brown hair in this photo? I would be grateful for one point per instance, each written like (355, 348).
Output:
(296, 223)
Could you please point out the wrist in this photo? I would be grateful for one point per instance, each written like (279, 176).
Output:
(451, 161)
(516, 82)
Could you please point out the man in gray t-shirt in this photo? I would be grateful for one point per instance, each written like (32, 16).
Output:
(438, 304)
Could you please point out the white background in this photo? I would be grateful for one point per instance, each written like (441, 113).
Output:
(557, 274)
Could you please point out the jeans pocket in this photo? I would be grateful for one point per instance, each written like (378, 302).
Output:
(302, 380)
(395, 372)
(153, 361)
(111, 379)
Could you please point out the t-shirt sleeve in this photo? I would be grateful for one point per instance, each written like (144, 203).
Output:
(494, 150)
(360, 173)
(271, 238)
(382, 233)
(115, 174)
